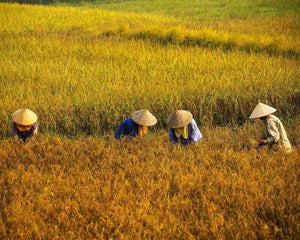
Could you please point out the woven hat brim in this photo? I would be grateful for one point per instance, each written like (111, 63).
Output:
(144, 118)
(262, 110)
(24, 117)
(179, 119)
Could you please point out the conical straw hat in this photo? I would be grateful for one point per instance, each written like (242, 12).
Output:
(262, 110)
(179, 119)
(24, 117)
(144, 118)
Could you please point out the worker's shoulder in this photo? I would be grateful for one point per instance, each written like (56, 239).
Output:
(193, 121)
(273, 119)
(128, 122)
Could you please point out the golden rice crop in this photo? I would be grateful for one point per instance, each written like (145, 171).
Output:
(148, 189)
(84, 71)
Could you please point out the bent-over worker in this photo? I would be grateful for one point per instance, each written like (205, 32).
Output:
(183, 128)
(24, 124)
(276, 135)
(136, 125)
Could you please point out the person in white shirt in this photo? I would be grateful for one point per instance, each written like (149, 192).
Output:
(183, 128)
(276, 132)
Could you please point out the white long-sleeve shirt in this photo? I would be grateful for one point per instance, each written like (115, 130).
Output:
(276, 132)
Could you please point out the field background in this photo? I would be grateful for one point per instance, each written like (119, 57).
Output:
(85, 66)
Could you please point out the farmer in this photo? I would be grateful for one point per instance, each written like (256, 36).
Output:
(183, 128)
(136, 125)
(24, 124)
(276, 135)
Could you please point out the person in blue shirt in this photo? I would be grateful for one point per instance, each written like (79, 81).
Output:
(183, 128)
(136, 125)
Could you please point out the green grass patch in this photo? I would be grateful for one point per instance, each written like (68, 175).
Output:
(201, 10)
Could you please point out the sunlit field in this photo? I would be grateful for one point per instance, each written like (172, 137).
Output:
(85, 69)
(88, 75)
(148, 189)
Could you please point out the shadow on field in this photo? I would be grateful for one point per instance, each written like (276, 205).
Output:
(210, 40)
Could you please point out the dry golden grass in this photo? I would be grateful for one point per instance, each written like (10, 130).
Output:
(87, 70)
(84, 71)
(148, 189)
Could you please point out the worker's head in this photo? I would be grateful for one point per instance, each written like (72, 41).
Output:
(179, 119)
(263, 118)
(23, 128)
(24, 118)
(143, 118)
(261, 111)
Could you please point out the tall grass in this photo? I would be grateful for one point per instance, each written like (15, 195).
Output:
(148, 189)
(87, 70)
(84, 71)
(204, 10)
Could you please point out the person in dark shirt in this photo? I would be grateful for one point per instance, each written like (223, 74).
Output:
(24, 125)
(136, 125)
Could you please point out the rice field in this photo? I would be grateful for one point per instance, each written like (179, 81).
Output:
(84, 70)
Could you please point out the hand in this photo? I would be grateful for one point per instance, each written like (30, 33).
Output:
(261, 141)
(17, 139)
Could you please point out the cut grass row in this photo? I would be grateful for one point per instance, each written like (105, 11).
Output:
(39, 21)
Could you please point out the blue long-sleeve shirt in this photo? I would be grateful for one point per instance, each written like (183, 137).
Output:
(127, 128)
(194, 134)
